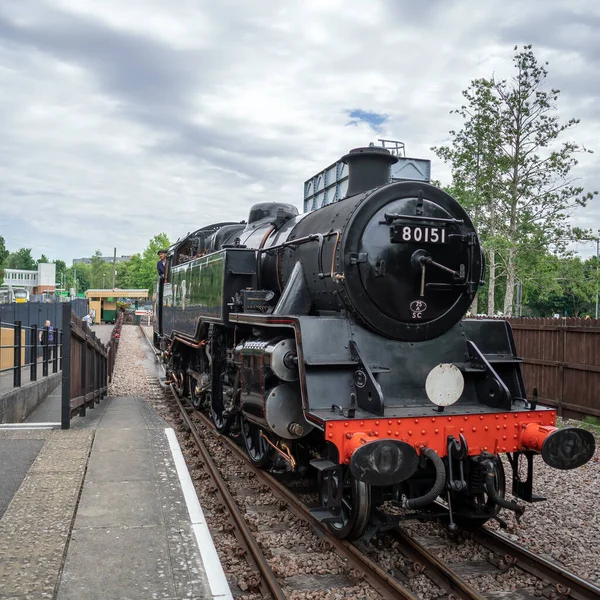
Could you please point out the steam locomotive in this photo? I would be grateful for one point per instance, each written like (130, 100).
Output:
(335, 341)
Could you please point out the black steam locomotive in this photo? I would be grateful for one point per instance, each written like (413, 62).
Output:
(335, 340)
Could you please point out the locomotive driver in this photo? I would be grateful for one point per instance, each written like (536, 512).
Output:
(161, 265)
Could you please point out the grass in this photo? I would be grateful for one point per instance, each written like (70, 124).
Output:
(589, 423)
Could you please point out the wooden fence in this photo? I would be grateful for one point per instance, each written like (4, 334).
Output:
(562, 360)
(87, 366)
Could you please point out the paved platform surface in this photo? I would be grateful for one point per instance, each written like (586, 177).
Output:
(103, 332)
(103, 511)
(7, 377)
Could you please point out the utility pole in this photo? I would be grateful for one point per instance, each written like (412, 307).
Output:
(519, 297)
(114, 268)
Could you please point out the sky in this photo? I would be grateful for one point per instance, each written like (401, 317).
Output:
(120, 120)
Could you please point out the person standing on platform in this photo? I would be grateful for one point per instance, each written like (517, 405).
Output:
(93, 314)
(50, 341)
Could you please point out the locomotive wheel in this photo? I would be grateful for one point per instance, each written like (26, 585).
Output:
(257, 447)
(356, 505)
(222, 424)
(478, 508)
(196, 398)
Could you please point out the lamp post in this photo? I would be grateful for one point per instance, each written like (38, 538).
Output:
(103, 280)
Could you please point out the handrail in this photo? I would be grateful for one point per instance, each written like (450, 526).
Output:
(26, 354)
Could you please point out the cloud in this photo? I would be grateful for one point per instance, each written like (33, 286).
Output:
(371, 118)
(121, 120)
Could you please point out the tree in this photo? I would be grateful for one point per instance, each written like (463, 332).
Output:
(21, 259)
(78, 277)
(61, 269)
(509, 144)
(42, 259)
(135, 278)
(147, 272)
(477, 161)
(101, 272)
(539, 189)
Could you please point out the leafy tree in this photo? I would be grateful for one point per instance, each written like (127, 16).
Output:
(42, 259)
(101, 272)
(61, 269)
(135, 279)
(147, 273)
(79, 277)
(122, 276)
(477, 159)
(569, 287)
(515, 176)
(21, 259)
(539, 189)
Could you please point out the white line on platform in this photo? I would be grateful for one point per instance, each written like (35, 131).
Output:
(217, 581)
(29, 425)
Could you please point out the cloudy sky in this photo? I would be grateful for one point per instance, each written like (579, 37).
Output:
(121, 119)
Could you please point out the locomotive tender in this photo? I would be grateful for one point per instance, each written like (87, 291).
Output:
(336, 340)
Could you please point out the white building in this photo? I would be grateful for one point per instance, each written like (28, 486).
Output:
(36, 282)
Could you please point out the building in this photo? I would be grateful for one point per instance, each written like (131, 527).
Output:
(35, 282)
(104, 302)
(108, 259)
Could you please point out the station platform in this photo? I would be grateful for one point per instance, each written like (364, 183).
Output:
(105, 510)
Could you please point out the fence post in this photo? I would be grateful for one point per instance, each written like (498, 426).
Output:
(84, 351)
(17, 355)
(55, 352)
(34, 353)
(65, 413)
(562, 328)
(98, 379)
(93, 376)
(46, 351)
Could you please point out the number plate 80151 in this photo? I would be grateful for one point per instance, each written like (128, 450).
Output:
(406, 234)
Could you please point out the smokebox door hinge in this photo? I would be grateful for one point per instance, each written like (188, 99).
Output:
(358, 257)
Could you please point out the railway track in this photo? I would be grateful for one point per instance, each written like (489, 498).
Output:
(556, 583)
(561, 583)
(361, 567)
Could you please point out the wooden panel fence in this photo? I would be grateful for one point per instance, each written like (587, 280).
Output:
(87, 366)
(562, 359)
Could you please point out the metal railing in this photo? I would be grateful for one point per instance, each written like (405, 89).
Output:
(88, 366)
(21, 350)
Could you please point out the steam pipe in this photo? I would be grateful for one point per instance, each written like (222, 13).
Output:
(438, 485)
(490, 488)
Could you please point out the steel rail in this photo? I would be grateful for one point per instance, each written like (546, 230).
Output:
(261, 562)
(566, 583)
(434, 568)
(373, 574)
(386, 585)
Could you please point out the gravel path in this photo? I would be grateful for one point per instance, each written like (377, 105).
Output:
(566, 527)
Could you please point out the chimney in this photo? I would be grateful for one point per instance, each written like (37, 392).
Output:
(368, 168)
